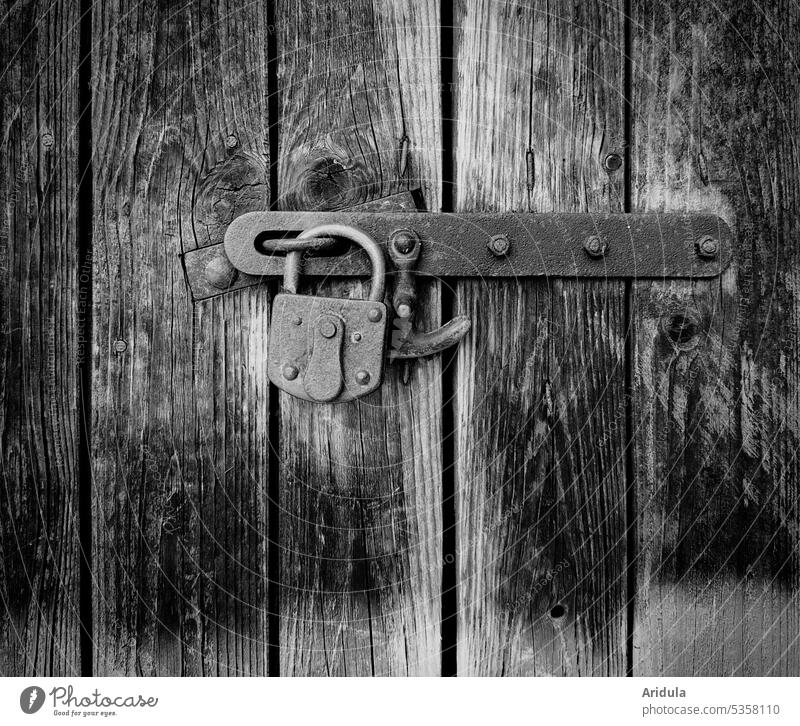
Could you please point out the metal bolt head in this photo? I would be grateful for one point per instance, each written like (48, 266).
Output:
(221, 273)
(120, 346)
(48, 140)
(362, 378)
(404, 241)
(355, 337)
(231, 142)
(375, 314)
(499, 245)
(403, 310)
(297, 320)
(290, 372)
(595, 247)
(327, 328)
(612, 162)
(707, 247)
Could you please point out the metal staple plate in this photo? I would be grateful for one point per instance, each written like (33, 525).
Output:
(483, 245)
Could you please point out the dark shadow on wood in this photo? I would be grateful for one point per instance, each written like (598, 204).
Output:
(273, 508)
(630, 470)
(84, 241)
(449, 565)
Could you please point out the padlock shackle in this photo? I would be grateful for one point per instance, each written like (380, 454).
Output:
(291, 275)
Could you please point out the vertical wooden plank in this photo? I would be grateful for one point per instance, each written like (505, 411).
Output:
(179, 430)
(540, 383)
(39, 309)
(716, 124)
(360, 530)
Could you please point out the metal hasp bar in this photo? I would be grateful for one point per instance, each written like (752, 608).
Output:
(477, 245)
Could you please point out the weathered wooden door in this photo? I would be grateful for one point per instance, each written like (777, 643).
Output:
(602, 479)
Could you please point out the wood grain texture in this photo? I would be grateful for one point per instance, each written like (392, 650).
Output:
(716, 122)
(179, 432)
(360, 529)
(540, 382)
(39, 347)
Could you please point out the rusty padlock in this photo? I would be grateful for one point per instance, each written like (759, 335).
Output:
(328, 349)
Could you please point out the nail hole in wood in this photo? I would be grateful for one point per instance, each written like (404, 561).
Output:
(558, 611)
(681, 329)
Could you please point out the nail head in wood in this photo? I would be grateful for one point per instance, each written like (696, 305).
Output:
(612, 162)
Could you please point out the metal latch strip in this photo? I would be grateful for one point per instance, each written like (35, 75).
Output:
(478, 245)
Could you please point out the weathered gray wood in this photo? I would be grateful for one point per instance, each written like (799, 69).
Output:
(716, 379)
(181, 453)
(39, 348)
(179, 429)
(360, 485)
(540, 382)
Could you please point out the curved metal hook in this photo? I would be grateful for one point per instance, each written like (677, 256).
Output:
(408, 342)
(416, 344)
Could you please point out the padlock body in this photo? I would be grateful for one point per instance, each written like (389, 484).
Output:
(326, 349)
